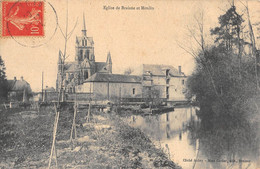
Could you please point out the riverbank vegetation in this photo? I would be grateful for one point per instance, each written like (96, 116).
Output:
(105, 141)
(226, 85)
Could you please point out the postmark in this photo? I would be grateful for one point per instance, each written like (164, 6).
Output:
(34, 26)
(22, 18)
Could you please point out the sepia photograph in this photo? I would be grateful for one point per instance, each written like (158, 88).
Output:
(118, 84)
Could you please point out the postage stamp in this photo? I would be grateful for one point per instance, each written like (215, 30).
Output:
(22, 18)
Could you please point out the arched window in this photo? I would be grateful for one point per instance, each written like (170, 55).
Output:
(167, 72)
(87, 54)
(80, 54)
(85, 74)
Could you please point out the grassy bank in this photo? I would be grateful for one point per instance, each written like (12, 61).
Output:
(104, 142)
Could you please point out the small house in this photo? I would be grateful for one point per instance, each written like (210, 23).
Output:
(19, 90)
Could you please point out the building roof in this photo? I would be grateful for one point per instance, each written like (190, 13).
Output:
(160, 70)
(71, 67)
(102, 77)
(100, 66)
(19, 85)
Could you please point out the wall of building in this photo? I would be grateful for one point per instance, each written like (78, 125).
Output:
(111, 91)
(85, 88)
(176, 87)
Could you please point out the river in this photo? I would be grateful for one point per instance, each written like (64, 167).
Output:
(177, 133)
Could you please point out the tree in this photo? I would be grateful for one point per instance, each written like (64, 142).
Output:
(255, 51)
(228, 34)
(3, 81)
(227, 79)
(224, 85)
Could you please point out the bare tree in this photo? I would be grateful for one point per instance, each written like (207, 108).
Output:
(254, 50)
(61, 93)
(197, 34)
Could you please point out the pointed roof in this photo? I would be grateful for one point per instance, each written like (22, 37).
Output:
(100, 66)
(19, 85)
(86, 63)
(84, 30)
(71, 67)
(109, 60)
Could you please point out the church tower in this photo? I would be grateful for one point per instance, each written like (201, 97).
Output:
(84, 46)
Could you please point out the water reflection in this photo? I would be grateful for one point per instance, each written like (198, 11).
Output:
(193, 144)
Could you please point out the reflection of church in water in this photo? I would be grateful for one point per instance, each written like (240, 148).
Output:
(84, 66)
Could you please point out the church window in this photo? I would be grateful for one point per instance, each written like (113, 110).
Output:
(167, 72)
(80, 54)
(133, 91)
(83, 42)
(85, 74)
(183, 82)
(87, 54)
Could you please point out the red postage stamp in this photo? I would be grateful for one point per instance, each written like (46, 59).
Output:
(22, 18)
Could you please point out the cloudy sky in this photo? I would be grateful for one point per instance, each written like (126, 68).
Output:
(133, 37)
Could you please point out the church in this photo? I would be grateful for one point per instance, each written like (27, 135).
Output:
(84, 66)
(91, 79)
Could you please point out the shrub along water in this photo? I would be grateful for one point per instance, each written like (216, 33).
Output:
(225, 83)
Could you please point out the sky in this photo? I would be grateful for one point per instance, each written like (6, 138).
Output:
(133, 37)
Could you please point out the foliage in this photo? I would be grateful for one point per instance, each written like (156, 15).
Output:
(228, 33)
(224, 81)
(3, 81)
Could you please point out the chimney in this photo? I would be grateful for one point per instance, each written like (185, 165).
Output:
(179, 69)
(21, 78)
(14, 78)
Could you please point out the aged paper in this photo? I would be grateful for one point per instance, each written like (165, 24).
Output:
(131, 33)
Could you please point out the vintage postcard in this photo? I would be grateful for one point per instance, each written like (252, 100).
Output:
(130, 84)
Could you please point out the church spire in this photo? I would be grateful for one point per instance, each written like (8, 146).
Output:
(84, 31)
(109, 60)
(109, 63)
